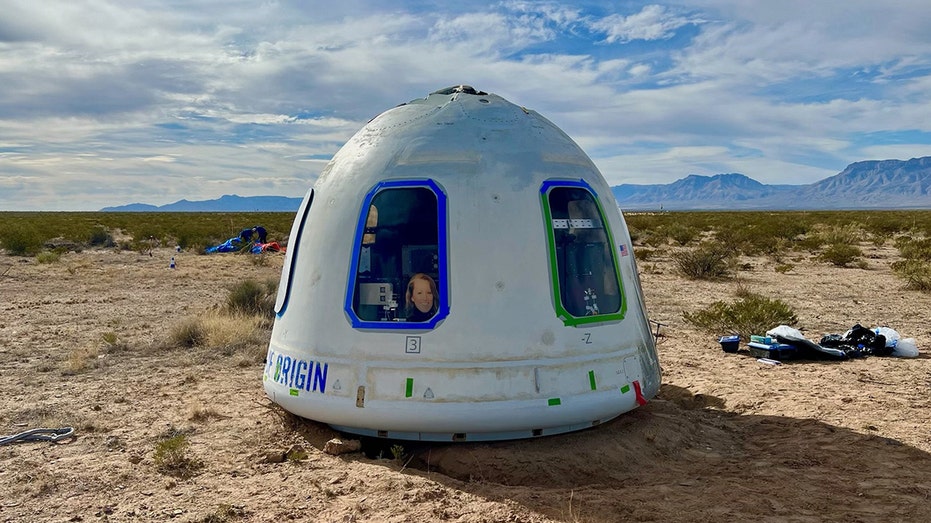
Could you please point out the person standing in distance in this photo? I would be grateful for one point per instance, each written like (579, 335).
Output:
(263, 235)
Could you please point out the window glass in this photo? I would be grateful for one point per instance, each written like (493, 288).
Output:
(399, 272)
(294, 239)
(585, 274)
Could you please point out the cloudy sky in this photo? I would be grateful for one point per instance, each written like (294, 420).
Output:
(106, 102)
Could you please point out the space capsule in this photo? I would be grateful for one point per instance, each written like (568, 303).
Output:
(460, 272)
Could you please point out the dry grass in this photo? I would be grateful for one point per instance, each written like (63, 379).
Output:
(216, 330)
(198, 412)
(230, 330)
(82, 359)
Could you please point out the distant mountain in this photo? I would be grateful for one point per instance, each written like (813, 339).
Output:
(875, 184)
(227, 203)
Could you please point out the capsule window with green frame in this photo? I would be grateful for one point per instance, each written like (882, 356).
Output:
(586, 278)
(398, 276)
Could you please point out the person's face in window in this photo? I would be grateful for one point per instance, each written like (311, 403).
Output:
(422, 296)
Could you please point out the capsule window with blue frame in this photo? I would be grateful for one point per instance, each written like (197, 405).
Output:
(398, 277)
(583, 263)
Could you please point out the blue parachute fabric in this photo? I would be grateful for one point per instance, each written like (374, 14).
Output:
(231, 245)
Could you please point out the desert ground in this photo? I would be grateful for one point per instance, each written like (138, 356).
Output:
(85, 342)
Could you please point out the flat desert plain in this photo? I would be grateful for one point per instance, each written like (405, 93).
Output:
(86, 342)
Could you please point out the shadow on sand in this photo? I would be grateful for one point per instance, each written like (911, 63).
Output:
(681, 458)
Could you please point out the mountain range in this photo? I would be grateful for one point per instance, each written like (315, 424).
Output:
(227, 203)
(872, 184)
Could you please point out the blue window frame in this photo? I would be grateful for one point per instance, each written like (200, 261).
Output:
(398, 278)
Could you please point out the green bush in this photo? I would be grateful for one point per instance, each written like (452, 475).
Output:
(21, 241)
(710, 261)
(188, 229)
(841, 254)
(756, 233)
(887, 224)
(848, 233)
(750, 314)
(251, 297)
(916, 273)
(100, 237)
(912, 249)
(811, 243)
(48, 256)
(171, 456)
(655, 239)
(682, 234)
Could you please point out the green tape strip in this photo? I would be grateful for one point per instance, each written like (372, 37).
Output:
(554, 401)
(625, 389)
(294, 392)
(410, 388)
(591, 379)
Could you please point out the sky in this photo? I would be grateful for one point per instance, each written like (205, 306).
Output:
(107, 102)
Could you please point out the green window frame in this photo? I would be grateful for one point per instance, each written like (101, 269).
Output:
(583, 256)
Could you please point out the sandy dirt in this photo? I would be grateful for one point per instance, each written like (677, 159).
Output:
(84, 342)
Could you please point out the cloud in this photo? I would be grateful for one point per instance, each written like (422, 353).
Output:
(104, 102)
(653, 22)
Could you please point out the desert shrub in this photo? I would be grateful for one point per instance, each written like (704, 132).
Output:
(912, 249)
(172, 455)
(225, 513)
(782, 226)
(645, 254)
(113, 343)
(225, 333)
(756, 233)
(783, 268)
(21, 241)
(655, 239)
(888, 224)
(848, 233)
(260, 260)
(810, 243)
(916, 273)
(199, 413)
(841, 254)
(82, 359)
(742, 239)
(48, 257)
(251, 297)
(682, 234)
(709, 261)
(878, 240)
(101, 237)
(749, 314)
(228, 333)
(189, 333)
(778, 249)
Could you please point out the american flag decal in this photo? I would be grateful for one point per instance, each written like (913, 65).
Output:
(624, 250)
